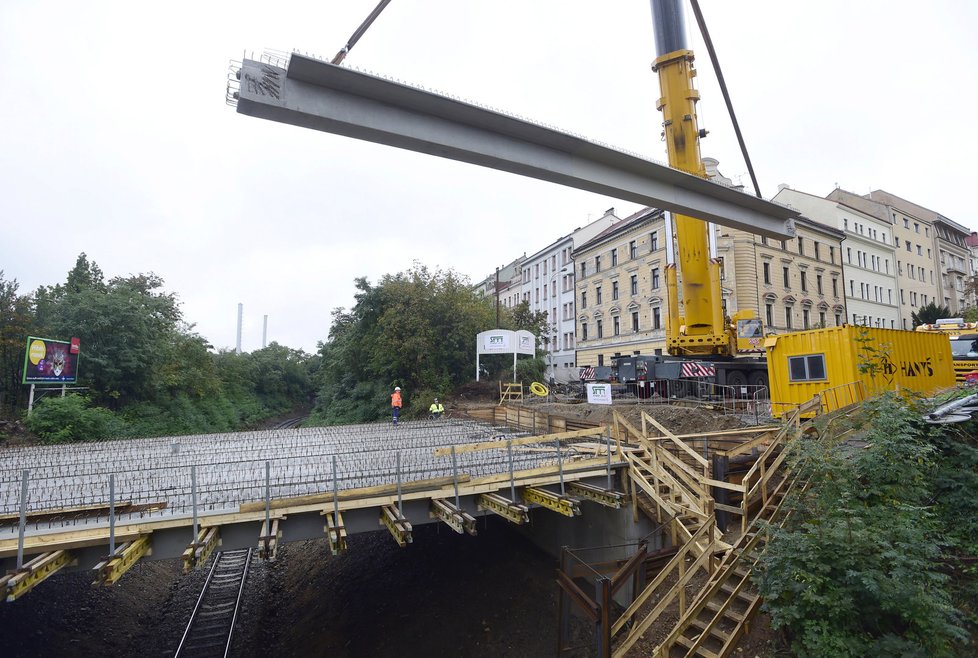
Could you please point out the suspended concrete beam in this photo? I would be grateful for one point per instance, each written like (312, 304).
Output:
(318, 95)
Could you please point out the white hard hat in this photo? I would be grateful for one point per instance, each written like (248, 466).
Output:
(397, 388)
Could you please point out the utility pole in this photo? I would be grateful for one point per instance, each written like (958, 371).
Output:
(264, 333)
(237, 349)
(497, 298)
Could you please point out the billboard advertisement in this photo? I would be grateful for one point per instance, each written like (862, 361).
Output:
(51, 361)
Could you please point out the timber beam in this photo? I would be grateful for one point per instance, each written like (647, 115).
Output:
(335, 532)
(504, 507)
(606, 497)
(552, 501)
(457, 519)
(196, 554)
(397, 524)
(114, 567)
(268, 540)
(17, 583)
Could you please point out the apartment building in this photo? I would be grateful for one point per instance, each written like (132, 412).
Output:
(621, 300)
(867, 253)
(931, 252)
(548, 285)
(505, 284)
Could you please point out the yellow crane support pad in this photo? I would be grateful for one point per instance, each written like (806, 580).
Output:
(116, 565)
(457, 519)
(335, 532)
(15, 584)
(268, 541)
(550, 500)
(504, 507)
(398, 526)
(606, 497)
(196, 554)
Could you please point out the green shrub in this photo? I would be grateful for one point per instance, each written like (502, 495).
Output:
(60, 420)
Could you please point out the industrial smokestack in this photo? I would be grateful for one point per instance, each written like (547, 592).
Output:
(264, 332)
(237, 349)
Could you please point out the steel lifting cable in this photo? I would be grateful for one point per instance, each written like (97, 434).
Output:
(701, 22)
(359, 32)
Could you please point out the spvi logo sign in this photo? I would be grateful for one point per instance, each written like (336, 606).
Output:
(599, 393)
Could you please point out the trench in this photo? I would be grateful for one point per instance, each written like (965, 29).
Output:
(444, 595)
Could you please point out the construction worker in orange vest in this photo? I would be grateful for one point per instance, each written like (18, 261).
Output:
(396, 402)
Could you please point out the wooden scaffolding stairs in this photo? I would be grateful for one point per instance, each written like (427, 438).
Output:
(722, 612)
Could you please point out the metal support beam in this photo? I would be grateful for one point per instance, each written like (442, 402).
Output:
(318, 95)
(397, 524)
(513, 512)
(268, 540)
(197, 553)
(114, 567)
(335, 532)
(457, 519)
(608, 498)
(552, 501)
(17, 583)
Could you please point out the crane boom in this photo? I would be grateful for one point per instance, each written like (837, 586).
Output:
(695, 324)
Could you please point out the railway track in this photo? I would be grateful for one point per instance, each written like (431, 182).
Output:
(290, 422)
(210, 630)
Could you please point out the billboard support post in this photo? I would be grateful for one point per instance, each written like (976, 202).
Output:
(30, 401)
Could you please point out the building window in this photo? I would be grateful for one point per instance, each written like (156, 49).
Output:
(655, 278)
(835, 287)
(634, 284)
(653, 240)
(656, 318)
(806, 368)
(632, 249)
(838, 320)
(584, 299)
(804, 281)
(616, 325)
(818, 283)
(600, 329)
(816, 251)
(767, 273)
(764, 240)
(832, 255)
(801, 246)
(601, 359)
(916, 227)
(787, 316)
(614, 257)
(584, 331)
(920, 252)
(787, 277)
(583, 270)
(769, 314)
(821, 319)
(805, 318)
(614, 290)
(635, 321)
(597, 294)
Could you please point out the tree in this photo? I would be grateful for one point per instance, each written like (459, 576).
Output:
(15, 324)
(415, 329)
(929, 314)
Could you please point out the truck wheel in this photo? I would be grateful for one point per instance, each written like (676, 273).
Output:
(759, 379)
(736, 378)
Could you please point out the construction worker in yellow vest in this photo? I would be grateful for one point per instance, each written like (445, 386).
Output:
(436, 409)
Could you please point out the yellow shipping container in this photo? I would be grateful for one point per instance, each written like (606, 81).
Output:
(827, 362)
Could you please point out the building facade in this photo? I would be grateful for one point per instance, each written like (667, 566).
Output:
(548, 285)
(869, 279)
(621, 300)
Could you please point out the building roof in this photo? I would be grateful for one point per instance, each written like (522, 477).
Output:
(624, 225)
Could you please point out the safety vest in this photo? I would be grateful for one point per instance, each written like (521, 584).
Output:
(436, 408)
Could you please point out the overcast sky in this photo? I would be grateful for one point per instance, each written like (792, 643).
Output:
(116, 139)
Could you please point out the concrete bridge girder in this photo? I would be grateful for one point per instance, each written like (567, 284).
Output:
(318, 95)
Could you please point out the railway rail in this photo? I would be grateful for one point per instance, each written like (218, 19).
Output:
(210, 631)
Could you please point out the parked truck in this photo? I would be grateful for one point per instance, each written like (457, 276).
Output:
(963, 337)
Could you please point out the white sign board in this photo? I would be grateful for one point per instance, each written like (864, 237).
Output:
(496, 342)
(599, 393)
(526, 342)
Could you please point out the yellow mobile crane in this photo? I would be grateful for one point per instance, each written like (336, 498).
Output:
(695, 326)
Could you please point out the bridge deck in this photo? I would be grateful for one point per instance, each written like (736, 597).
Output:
(156, 482)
